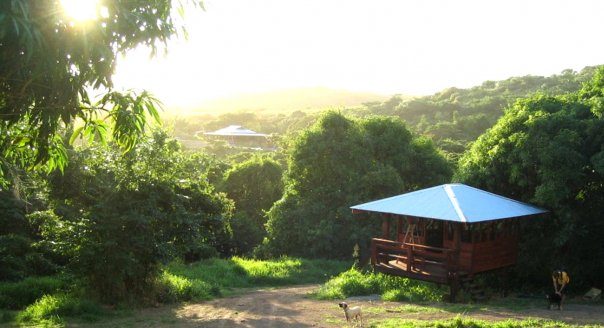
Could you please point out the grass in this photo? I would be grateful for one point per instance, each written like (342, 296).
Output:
(239, 272)
(356, 283)
(47, 302)
(459, 322)
(51, 310)
(407, 308)
(16, 295)
(217, 277)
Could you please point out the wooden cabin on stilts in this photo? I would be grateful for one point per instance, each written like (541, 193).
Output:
(446, 234)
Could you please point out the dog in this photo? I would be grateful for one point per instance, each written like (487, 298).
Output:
(554, 299)
(352, 313)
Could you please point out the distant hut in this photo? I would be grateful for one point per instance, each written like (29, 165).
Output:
(236, 135)
(447, 234)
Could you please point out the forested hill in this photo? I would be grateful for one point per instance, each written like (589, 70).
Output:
(455, 117)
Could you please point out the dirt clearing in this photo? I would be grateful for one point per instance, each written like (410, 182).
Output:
(292, 307)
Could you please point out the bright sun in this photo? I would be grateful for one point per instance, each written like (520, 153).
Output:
(81, 10)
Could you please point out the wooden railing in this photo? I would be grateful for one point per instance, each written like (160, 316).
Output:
(413, 255)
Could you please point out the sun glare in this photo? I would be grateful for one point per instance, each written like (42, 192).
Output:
(81, 10)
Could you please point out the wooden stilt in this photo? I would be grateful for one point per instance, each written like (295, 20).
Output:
(504, 278)
(454, 287)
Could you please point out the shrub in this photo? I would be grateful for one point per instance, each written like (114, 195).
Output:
(38, 265)
(175, 288)
(12, 252)
(6, 316)
(354, 283)
(17, 295)
(199, 252)
(53, 308)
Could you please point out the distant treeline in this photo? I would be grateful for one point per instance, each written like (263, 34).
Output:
(452, 118)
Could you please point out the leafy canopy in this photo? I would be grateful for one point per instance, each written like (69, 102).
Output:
(549, 150)
(50, 64)
(120, 216)
(340, 162)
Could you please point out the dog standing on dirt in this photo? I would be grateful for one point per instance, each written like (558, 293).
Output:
(555, 299)
(352, 313)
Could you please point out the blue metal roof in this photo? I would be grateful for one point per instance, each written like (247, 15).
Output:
(235, 130)
(451, 202)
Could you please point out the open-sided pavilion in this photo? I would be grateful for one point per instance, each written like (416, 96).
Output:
(447, 233)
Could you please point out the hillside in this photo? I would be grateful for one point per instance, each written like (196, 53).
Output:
(452, 118)
(290, 100)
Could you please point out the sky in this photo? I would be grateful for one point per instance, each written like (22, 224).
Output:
(408, 47)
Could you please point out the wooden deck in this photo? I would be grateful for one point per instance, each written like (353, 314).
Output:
(427, 273)
(413, 261)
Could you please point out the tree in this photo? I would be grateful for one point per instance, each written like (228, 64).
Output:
(254, 185)
(548, 150)
(340, 162)
(50, 64)
(121, 216)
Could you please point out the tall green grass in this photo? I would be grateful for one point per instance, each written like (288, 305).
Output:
(356, 283)
(214, 277)
(17, 295)
(48, 301)
(51, 310)
(470, 323)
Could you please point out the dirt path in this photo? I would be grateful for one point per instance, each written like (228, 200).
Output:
(291, 307)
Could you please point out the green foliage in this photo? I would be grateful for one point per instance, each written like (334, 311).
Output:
(173, 288)
(49, 64)
(214, 277)
(592, 93)
(459, 116)
(211, 278)
(12, 220)
(452, 118)
(52, 309)
(356, 283)
(548, 151)
(19, 257)
(337, 163)
(121, 215)
(254, 185)
(240, 272)
(17, 295)
(460, 322)
(52, 235)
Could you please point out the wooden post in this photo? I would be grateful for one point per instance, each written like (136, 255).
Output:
(373, 253)
(453, 287)
(399, 228)
(456, 246)
(410, 258)
(454, 283)
(504, 276)
(385, 227)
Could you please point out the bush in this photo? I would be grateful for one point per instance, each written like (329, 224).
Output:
(174, 288)
(17, 295)
(355, 283)
(18, 259)
(52, 309)
(38, 265)
(200, 252)
(54, 235)
(12, 253)
(6, 316)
